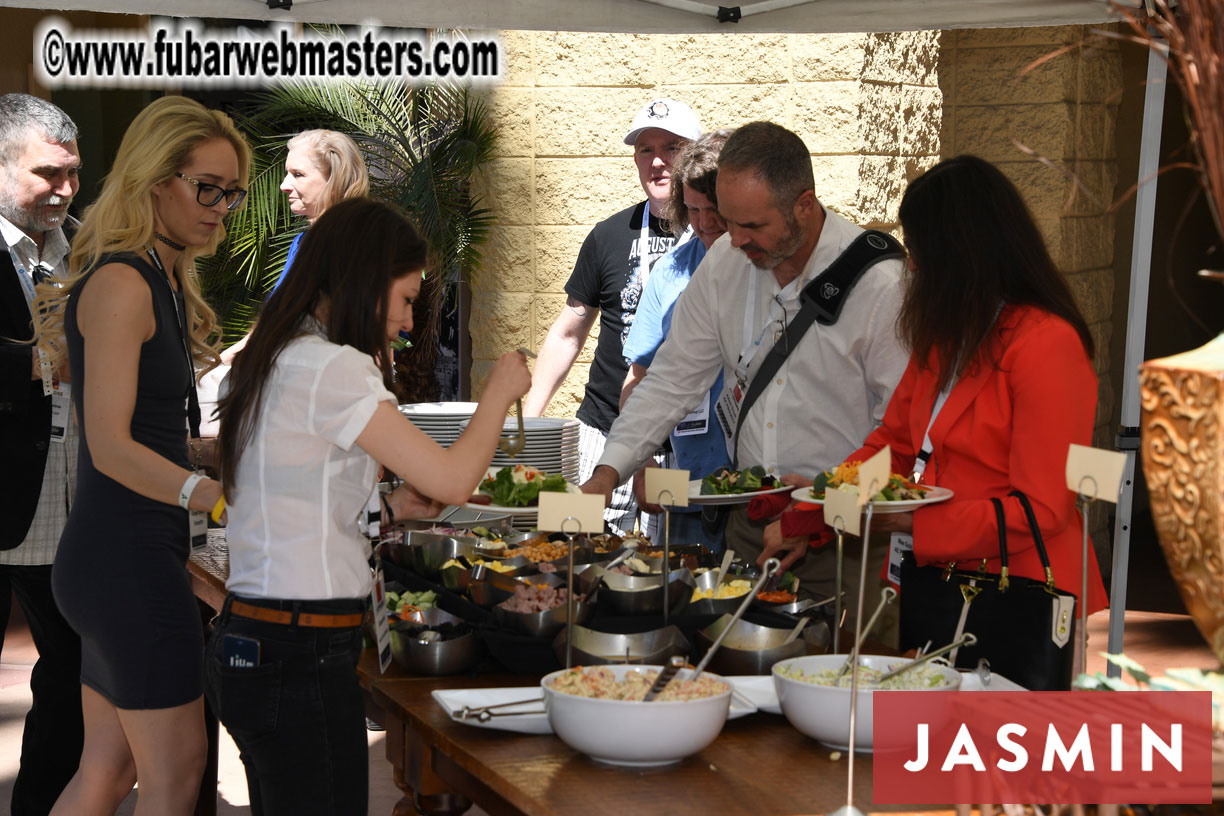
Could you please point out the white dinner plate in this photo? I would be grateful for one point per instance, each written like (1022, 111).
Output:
(934, 495)
(696, 497)
(536, 722)
(758, 688)
(531, 510)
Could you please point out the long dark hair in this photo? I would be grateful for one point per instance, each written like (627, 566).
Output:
(974, 245)
(348, 259)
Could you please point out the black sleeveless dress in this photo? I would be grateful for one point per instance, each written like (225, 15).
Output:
(120, 574)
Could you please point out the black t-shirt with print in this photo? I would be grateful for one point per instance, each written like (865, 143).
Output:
(606, 277)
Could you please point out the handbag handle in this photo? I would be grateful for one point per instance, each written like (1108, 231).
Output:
(1001, 521)
(1037, 539)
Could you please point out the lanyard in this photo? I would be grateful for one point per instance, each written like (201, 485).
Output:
(924, 455)
(644, 246)
(26, 277)
(180, 322)
(748, 351)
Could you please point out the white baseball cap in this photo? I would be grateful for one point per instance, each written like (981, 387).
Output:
(665, 114)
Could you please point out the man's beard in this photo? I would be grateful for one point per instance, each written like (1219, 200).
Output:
(787, 246)
(33, 221)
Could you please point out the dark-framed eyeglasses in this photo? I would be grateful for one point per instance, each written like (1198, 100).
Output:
(209, 194)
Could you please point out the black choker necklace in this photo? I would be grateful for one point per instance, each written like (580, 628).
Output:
(168, 242)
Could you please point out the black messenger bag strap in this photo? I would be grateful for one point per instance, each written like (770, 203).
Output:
(821, 302)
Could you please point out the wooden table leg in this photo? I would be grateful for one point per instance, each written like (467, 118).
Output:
(424, 792)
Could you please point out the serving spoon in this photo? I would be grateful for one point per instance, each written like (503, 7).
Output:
(513, 447)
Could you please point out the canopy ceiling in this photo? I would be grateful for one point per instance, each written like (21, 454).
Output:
(640, 16)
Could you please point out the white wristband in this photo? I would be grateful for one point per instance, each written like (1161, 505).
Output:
(188, 486)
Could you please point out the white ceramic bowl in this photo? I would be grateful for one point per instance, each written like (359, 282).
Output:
(625, 732)
(823, 712)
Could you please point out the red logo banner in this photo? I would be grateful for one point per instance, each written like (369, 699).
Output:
(1079, 747)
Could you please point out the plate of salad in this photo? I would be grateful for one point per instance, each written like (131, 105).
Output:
(516, 490)
(901, 495)
(726, 486)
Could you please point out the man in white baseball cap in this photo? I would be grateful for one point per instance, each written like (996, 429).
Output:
(607, 281)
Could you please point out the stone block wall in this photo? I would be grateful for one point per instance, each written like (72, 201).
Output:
(1041, 103)
(868, 106)
(874, 109)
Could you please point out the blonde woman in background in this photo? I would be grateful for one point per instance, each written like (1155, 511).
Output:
(134, 326)
(323, 167)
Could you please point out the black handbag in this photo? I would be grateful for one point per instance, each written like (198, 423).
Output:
(1024, 628)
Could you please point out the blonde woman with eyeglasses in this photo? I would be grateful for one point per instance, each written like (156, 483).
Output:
(135, 330)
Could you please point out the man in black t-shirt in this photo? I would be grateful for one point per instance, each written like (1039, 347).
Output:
(607, 280)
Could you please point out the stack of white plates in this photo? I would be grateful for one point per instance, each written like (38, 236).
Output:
(552, 445)
(440, 420)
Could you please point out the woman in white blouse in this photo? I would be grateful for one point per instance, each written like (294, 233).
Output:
(306, 419)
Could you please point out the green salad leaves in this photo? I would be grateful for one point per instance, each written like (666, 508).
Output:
(725, 481)
(507, 492)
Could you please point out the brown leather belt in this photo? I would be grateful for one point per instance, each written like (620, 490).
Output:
(284, 616)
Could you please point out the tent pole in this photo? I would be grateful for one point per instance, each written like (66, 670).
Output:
(1136, 332)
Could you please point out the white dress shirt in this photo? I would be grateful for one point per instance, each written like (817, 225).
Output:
(828, 395)
(59, 473)
(302, 482)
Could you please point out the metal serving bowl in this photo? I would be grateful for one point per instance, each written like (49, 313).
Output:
(637, 594)
(458, 578)
(716, 606)
(433, 657)
(750, 648)
(542, 624)
(798, 606)
(488, 588)
(592, 648)
(425, 553)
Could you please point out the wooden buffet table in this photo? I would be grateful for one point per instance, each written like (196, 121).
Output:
(759, 764)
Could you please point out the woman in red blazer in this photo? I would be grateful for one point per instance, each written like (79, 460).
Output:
(989, 318)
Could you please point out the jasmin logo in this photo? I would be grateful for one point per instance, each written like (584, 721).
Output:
(1078, 747)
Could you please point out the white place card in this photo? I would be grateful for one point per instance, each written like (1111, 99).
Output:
(661, 481)
(571, 512)
(874, 472)
(1095, 472)
(841, 510)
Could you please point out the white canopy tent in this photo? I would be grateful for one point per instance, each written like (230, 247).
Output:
(764, 16)
(640, 16)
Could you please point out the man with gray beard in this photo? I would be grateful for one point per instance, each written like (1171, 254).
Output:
(821, 400)
(39, 166)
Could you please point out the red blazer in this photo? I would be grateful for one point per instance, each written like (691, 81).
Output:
(1003, 427)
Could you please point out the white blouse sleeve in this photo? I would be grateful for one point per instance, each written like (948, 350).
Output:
(344, 397)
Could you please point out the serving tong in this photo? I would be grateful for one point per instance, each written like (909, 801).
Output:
(674, 665)
(486, 713)
(967, 639)
(514, 446)
(887, 594)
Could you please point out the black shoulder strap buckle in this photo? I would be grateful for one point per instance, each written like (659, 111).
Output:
(827, 292)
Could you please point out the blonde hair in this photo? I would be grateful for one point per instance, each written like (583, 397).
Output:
(156, 145)
(339, 159)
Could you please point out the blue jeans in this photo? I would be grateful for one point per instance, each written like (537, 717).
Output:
(298, 716)
(686, 528)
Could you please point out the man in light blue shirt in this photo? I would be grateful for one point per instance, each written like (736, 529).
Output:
(697, 442)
